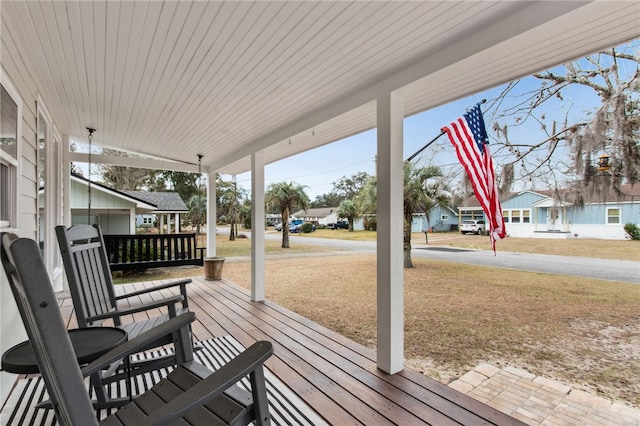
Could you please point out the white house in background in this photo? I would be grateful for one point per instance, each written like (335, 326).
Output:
(114, 211)
(318, 216)
(249, 93)
(169, 207)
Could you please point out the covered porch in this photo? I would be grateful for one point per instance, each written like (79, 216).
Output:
(336, 378)
(242, 85)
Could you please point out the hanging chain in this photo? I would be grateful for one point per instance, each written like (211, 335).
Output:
(89, 179)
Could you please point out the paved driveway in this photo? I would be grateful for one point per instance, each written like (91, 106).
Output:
(604, 269)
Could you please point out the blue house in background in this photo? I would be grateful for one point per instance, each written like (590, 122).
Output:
(438, 219)
(541, 214)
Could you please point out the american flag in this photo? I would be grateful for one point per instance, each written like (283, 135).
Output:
(469, 137)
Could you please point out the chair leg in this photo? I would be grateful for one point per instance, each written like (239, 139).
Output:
(183, 345)
(260, 401)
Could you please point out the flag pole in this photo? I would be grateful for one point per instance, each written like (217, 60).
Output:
(432, 141)
(424, 147)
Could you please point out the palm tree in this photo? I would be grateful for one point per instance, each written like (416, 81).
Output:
(285, 196)
(422, 192)
(350, 210)
(197, 213)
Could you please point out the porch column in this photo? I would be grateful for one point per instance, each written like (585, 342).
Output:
(211, 214)
(160, 231)
(257, 226)
(390, 229)
(176, 229)
(66, 183)
(132, 221)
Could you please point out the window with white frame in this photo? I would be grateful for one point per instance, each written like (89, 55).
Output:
(49, 189)
(517, 215)
(613, 215)
(10, 119)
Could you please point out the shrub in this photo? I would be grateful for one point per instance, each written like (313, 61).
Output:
(307, 227)
(371, 223)
(633, 230)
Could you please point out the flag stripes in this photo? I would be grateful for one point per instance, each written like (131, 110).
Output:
(469, 138)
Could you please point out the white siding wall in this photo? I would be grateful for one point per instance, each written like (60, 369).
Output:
(11, 330)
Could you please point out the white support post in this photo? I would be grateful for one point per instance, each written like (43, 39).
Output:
(390, 229)
(66, 182)
(161, 230)
(132, 220)
(177, 227)
(211, 214)
(257, 226)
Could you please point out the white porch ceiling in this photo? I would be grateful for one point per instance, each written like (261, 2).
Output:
(174, 79)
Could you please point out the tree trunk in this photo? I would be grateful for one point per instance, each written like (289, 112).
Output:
(407, 244)
(350, 221)
(232, 232)
(285, 228)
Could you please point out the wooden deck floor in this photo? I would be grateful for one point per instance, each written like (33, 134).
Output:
(335, 376)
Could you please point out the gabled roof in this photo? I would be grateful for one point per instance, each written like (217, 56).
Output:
(139, 202)
(446, 208)
(566, 197)
(166, 202)
(316, 212)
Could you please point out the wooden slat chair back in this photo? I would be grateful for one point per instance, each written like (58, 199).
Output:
(190, 394)
(94, 297)
(88, 273)
(95, 300)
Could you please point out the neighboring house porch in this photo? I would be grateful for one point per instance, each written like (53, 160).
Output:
(169, 207)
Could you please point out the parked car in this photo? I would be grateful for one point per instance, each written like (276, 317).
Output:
(472, 226)
(292, 224)
(341, 224)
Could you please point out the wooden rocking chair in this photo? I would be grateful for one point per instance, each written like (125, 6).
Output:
(94, 299)
(190, 394)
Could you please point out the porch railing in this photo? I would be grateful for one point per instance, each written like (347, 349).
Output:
(131, 252)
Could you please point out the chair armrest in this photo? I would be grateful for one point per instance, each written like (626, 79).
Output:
(214, 385)
(181, 283)
(139, 343)
(169, 302)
